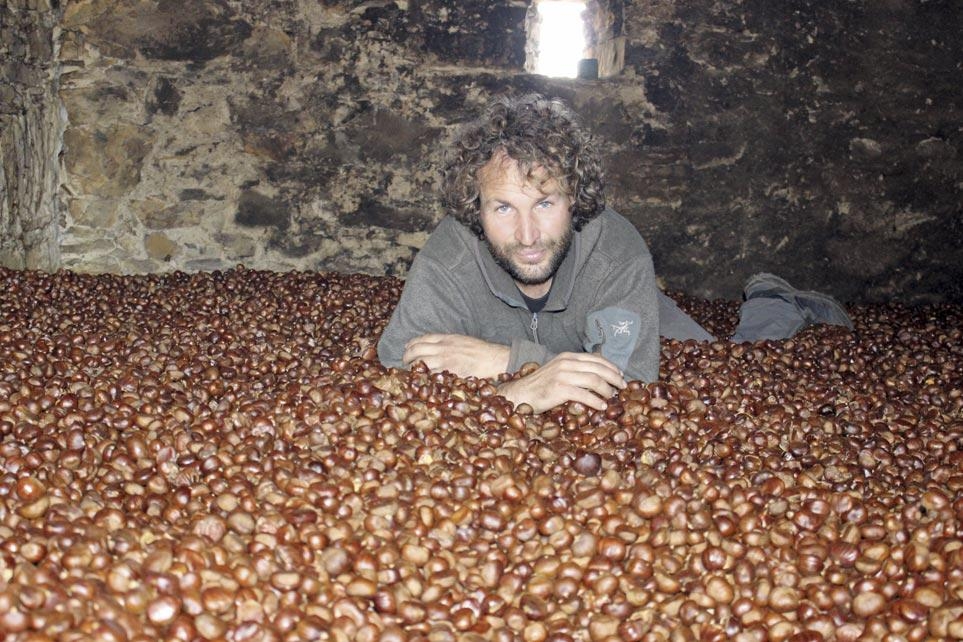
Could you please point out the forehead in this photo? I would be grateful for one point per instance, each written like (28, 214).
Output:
(503, 171)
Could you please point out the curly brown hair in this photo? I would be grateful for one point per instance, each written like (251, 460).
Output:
(539, 134)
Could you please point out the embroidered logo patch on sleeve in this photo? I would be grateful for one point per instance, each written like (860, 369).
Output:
(613, 333)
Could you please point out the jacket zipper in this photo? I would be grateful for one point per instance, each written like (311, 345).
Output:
(534, 326)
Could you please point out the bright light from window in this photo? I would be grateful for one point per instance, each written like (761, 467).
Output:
(561, 39)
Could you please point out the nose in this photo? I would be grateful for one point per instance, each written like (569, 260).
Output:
(527, 232)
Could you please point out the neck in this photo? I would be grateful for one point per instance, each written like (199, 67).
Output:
(535, 291)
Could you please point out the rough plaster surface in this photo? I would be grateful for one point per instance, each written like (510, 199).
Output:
(818, 140)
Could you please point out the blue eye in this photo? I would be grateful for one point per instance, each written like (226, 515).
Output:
(544, 204)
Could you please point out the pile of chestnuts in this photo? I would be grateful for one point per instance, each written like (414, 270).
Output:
(220, 456)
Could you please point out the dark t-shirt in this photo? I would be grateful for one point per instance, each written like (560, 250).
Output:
(535, 305)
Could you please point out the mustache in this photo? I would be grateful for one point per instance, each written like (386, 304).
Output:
(514, 247)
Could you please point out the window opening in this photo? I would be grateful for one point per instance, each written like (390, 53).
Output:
(560, 39)
(591, 37)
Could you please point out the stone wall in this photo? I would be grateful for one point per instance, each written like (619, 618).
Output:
(31, 132)
(284, 135)
(819, 140)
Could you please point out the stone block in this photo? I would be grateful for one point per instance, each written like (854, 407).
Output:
(196, 31)
(79, 246)
(158, 215)
(160, 247)
(267, 127)
(266, 49)
(106, 160)
(296, 246)
(94, 212)
(371, 212)
(486, 34)
(196, 194)
(164, 97)
(381, 134)
(238, 247)
(206, 265)
(865, 149)
(257, 210)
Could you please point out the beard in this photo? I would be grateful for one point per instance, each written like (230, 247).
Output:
(528, 274)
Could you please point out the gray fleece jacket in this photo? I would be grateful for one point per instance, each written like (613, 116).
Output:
(603, 299)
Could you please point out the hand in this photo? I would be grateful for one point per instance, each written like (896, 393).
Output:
(465, 356)
(570, 376)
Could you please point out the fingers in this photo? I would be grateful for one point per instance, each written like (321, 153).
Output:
(545, 392)
(464, 356)
(590, 390)
(428, 338)
(581, 364)
(427, 347)
(588, 399)
(587, 379)
(591, 358)
(423, 349)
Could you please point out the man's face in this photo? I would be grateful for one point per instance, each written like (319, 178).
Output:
(527, 224)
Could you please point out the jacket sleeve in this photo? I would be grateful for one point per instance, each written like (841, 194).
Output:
(623, 323)
(431, 302)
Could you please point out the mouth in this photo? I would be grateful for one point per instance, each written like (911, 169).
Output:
(531, 256)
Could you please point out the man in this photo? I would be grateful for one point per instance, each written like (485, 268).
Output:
(530, 266)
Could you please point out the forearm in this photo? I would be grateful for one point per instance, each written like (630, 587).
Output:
(465, 356)
(430, 303)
